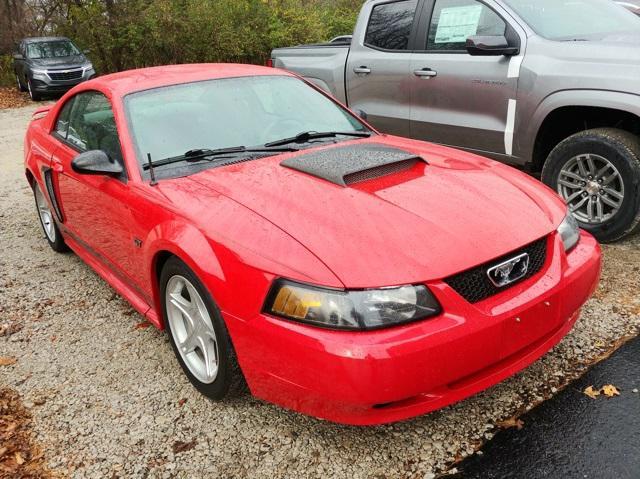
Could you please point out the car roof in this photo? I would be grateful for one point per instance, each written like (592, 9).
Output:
(44, 39)
(130, 81)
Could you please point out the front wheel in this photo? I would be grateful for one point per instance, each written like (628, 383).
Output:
(198, 334)
(597, 172)
(35, 96)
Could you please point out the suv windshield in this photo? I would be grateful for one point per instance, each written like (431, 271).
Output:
(54, 49)
(575, 19)
(215, 114)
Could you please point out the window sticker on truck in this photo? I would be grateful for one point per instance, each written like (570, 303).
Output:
(456, 24)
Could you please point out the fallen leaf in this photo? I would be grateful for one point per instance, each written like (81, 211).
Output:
(142, 325)
(511, 422)
(592, 393)
(180, 446)
(182, 401)
(7, 360)
(19, 459)
(3, 450)
(610, 390)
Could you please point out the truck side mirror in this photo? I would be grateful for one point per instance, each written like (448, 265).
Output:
(490, 46)
(18, 56)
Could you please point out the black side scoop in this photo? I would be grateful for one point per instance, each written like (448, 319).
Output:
(340, 165)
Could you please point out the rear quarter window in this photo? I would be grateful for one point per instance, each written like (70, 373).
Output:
(390, 25)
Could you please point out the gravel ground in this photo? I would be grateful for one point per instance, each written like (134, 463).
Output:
(109, 399)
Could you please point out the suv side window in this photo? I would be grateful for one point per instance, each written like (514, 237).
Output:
(390, 25)
(92, 125)
(62, 124)
(453, 21)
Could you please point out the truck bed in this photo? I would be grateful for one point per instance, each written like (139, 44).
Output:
(322, 64)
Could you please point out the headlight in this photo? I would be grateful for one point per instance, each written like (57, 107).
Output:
(38, 72)
(88, 66)
(569, 231)
(351, 310)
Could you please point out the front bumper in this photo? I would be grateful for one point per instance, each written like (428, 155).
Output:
(391, 375)
(43, 83)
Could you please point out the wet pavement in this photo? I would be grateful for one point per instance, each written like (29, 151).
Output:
(571, 435)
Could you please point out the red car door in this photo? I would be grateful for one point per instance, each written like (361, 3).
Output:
(95, 207)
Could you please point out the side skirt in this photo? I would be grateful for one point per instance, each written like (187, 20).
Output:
(136, 300)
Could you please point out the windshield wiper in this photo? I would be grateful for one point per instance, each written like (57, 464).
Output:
(200, 154)
(312, 135)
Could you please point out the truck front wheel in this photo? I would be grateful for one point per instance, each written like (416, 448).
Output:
(597, 172)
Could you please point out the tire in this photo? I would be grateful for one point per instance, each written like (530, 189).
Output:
(228, 380)
(21, 88)
(48, 222)
(35, 96)
(616, 205)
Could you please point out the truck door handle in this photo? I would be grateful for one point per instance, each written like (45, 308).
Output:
(426, 73)
(362, 70)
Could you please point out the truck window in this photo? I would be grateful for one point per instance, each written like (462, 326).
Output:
(453, 21)
(390, 25)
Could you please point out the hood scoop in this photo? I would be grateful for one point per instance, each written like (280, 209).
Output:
(347, 165)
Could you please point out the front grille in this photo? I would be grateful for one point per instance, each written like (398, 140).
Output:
(379, 171)
(65, 76)
(474, 285)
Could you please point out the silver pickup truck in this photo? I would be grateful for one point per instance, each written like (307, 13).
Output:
(552, 86)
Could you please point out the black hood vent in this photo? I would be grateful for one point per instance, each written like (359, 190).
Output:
(351, 164)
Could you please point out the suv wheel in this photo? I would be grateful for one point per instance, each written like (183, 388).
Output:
(597, 172)
(35, 96)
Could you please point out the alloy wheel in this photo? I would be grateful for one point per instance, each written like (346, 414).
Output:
(18, 84)
(29, 89)
(192, 329)
(45, 215)
(592, 187)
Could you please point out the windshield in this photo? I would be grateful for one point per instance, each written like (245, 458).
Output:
(249, 111)
(575, 19)
(53, 49)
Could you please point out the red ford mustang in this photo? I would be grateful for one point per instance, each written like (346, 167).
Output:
(283, 242)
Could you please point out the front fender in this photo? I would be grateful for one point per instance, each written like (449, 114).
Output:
(616, 100)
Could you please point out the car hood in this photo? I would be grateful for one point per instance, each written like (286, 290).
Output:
(439, 218)
(61, 62)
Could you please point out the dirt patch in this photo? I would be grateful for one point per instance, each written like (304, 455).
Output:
(10, 97)
(19, 457)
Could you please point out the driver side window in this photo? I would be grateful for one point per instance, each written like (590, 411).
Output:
(453, 21)
(92, 125)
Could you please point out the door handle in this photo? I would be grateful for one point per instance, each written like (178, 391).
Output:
(426, 73)
(362, 70)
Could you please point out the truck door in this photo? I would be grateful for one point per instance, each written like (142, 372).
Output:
(378, 66)
(458, 99)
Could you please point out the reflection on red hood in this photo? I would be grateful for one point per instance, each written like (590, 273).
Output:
(437, 219)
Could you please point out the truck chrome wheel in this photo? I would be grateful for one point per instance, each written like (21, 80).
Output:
(45, 215)
(592, 187)
(192, 329)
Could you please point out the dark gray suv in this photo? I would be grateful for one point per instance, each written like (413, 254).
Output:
(49, 65)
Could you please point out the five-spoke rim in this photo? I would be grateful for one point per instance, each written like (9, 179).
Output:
(592, 187)
(192, 329)
(45, 215)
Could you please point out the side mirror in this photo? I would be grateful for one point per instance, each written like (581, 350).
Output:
(18, 56)
(96, 162)
(361, 114)
(490, 46)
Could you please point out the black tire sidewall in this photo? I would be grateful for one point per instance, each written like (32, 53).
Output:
(622, 158)
(227, 361)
